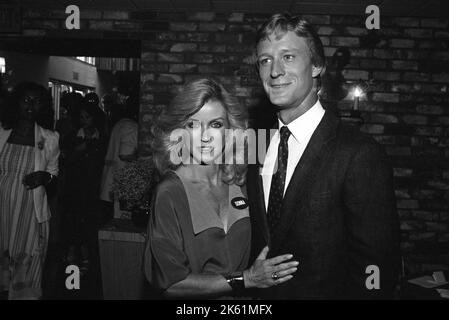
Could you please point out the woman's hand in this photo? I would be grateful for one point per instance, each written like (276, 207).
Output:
(36, 179)
(265, 272)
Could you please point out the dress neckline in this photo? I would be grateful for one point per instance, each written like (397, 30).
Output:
(201, 207)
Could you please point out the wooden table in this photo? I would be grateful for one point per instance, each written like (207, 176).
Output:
(122, 247)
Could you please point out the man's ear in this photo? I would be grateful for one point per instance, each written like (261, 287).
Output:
(316, 70)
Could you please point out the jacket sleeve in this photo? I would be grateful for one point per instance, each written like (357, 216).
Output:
(53, 154)
(372, 224)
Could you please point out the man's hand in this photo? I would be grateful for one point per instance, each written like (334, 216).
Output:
(265, 272)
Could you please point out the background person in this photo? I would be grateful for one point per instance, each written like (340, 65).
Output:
(83, 171)
(122, 148)
(28, 165)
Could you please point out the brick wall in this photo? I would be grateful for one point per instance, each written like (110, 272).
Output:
(407, 108)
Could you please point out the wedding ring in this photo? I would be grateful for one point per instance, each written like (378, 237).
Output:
(274, 276)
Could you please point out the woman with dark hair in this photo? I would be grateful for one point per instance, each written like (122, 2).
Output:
(69, 120)
(28, 165)
(199, 233)
(83, 169)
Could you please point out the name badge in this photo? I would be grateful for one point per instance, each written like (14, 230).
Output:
(239, 203)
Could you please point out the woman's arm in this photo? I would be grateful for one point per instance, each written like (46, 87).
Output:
(259, 275)
(199, 286)
(47, 178)
(167, 266)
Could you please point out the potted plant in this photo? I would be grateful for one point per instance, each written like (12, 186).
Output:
(133, 185)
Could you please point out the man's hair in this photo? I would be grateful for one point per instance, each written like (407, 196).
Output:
(279, 24)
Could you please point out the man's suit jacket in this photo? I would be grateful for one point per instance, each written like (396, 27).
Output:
(45, 159)
(338, 217)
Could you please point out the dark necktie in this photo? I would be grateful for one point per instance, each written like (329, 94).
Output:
(278, 182)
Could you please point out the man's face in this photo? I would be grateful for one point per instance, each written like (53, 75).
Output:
(286, 69)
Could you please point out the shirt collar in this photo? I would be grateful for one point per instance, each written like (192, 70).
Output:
(304, 126)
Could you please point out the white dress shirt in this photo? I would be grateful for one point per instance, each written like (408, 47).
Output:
(302, 129)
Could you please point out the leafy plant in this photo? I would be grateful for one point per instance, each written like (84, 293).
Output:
(133, 183)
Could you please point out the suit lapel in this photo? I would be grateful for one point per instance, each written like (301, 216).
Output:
(256, 197)
(263, 209)
(304, 175)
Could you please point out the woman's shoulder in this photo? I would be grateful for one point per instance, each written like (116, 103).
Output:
(4, 131)
(49, 133)
(170, 199)
(170, 187)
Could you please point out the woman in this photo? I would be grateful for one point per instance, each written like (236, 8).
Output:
(83, 170)
(199, 233)
(122, 149)
(28, 164)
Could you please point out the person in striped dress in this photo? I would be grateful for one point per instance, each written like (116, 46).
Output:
(28, 164)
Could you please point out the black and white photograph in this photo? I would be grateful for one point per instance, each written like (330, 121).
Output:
(245, 151)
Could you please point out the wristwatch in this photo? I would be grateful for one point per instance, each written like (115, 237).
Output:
(237, 283)
(51, 178)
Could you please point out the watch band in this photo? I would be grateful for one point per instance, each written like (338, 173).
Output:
(237, 283)
(51, 178)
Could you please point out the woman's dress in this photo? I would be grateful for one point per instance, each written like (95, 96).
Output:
(23, 241)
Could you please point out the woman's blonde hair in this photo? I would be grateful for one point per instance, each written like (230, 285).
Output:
(191, 98)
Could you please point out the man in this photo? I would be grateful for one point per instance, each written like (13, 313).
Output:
(325, 191)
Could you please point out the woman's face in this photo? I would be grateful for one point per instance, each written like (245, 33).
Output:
(30, 104)
(206, 130)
